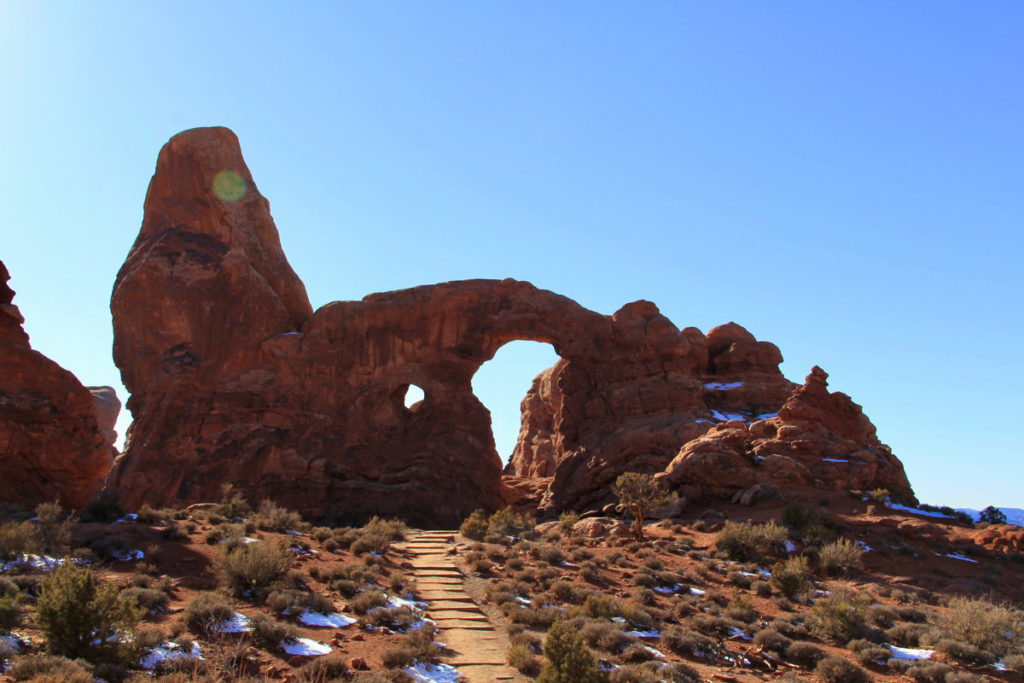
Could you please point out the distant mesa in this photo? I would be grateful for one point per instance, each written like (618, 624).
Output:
(235, 379)
(52, 446)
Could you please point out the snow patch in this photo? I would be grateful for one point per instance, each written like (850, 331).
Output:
(238, 623)
(916, 511)
(422, 672)
(404, 602)
(697, 591)
(725, 417)
(790, 546)
(957, 556)
(667, 590)
(833, 460)
(168, 651)
(722, 386)
(44, 562)
(128, 555)
(130, 517)
(321, 620)
(304, 647)
(651, 633)
(910, 653)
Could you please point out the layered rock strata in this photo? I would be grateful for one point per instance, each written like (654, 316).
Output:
(235, 379)
(51, 446)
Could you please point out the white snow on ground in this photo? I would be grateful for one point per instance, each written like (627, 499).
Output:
(649, 633)
(697, 591)
(667, 590)
(14, 641)
(957, 556)
(238, 623)
(767, 416)
(725, 417)
(32, 562)
(864, 546)
(833, 460)
(790, 546)
(292, 532)
(523, 601)
(722, 386)
(910, 652)
(128, 555)
(738, 633)
(395, 601)
(130, 517)
(657, 653)
(166, 651)
(332, 620)
(702, 421)
(304, 647)
(432, 673)
(916, 511)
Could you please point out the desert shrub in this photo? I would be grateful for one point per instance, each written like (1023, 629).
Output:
(601, 633)
(840, 557)
(981, 623)
(205, 611)
(81, 618)
(741, 608)
(636, 652)
(418, 645)
(50, 669)
(321, 669)
(772, 641)
(149, 599)
(805, 654)
(964, 652)
(1014, 662)
(928, 672)
(268, 632)
(567, 659)
(880, 495)
(16, 539)
(507, 522)
(840, 670)
(273, 517)
(521, 657)
(367, 600)
(174, 532)
(474, 526)
(841, 616)
(294, 602)
(689, 643)
(791, 626)
(750, 542)
(395, 618)
(567, 520)
(791, 577)
(251, 569)
(538, 617)
(911, 614)
(882, 615)
(906, 635)
(10, 613)
(392, 529)
(564, 591)
(716, 626)
(600, 606)
(798, 516)
(739, 579)
(636, 673)
(53, 529)
(104, 509)
(370, 542)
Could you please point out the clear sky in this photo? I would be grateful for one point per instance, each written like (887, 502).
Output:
(844, 179)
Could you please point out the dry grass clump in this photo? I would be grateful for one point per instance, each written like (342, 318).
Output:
(751, 542)
(269, 632)
(689, 643)
(840, 670)
(206, 611)
(250, 570)
(418, 645)
(840, 557)
(522, 658)
(982, 624)
(791, 577)
(841, 616)
(50, 669)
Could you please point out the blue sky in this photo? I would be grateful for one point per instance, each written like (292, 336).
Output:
(843, 179)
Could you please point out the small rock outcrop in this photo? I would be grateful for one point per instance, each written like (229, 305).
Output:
(51, 447)
(235, 379)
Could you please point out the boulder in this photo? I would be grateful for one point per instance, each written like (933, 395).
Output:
(51, 446)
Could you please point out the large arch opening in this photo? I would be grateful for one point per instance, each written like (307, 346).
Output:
(501, 384)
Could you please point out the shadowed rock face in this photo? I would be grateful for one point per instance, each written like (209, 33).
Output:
(51, 447)
(234, 379)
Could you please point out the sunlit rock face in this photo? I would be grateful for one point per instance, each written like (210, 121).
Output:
(235, 379)
(51, 447)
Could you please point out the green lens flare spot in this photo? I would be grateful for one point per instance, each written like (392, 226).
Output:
(229, 186)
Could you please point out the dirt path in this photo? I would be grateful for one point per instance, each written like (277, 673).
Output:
(480, 648)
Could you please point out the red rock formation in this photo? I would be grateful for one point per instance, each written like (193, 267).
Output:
(818, 439)
(50, 444)
(234, 379)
